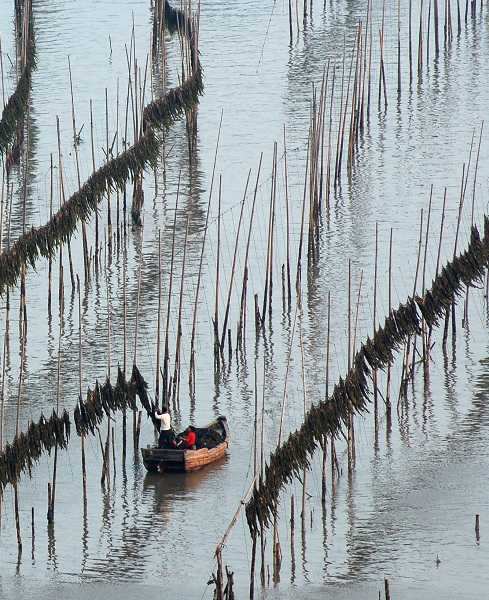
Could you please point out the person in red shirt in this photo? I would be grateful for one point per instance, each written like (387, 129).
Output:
(191, 437)
(187, 442)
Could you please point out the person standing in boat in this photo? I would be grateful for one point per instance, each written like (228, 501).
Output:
(166, 432)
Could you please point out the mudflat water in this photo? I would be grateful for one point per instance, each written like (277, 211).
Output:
(407, 513)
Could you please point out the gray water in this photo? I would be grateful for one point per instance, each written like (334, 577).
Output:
(408, 512)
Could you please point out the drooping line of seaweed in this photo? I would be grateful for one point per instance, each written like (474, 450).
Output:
(161, 113)
(16, 108)
(106, 398)
(44, 241)
(353, 393)
(27, 448)
(177, 20)
(101, 401)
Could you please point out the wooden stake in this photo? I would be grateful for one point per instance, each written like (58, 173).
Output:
(216, 298)
(80, 391)
(242, 310)
(166, 359)
(389, 366)
(269, 270)
(176, 374)
(158, 337)
(194, 324)
(76, 141)
(233, 268)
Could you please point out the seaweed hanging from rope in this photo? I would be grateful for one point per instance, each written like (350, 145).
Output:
(27, 448)
(15, 110)
(352, 393)
(100, 402)
(114, 175)
(140, 388)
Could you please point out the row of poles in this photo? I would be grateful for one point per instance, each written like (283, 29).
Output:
(322, 168)
(315, 160)
(135, 102)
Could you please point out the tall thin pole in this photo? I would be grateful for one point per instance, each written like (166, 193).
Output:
(389, 366)
(158, 340)
(194, 324)
(80, 370)
(233, 268)
(166, 359)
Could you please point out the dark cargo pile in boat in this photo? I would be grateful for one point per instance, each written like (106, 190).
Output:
(206, 438)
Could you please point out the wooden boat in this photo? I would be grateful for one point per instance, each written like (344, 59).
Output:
(212, 442)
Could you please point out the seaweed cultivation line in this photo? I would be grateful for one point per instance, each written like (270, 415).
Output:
(114, 175)
(28, 447)
(353, 393)
(12, 121)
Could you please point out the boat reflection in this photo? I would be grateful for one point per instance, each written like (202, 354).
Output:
(168, 486)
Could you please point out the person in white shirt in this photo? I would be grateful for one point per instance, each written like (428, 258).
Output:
(166, 432)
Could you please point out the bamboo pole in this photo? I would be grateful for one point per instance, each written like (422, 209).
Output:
(466, 311)
(94, 169)
(340, 119)
(255, 476)
(166, 359)
(216, 298)
(138, 299)
(436, 25)
(277, 551)
(330, 142)
(399, 48)
(355, 99)
(298, 278)
(290, 21)
(176, 374)
(2, 409)
(374, 371)
(351, 429)
(326, 397)
(289, 289)
(17, 433)
(342, 125)
(4, 96)
(158, 337)
(52, 495)
(220, 546)
(410, 36)
(262, 470)
(242, 311)
(269, 268)
(80, 391)
(106, 470)
(2, 394)
(233, 268)
(62, 200)
(420, 42)
(426, 342)
(76, 138)
(408, 366)
(134, 412)
(124, 342)
(2, 209)
(460, 207)
(382, 84)
(50, 261)
(388, 405)
(201, 262)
